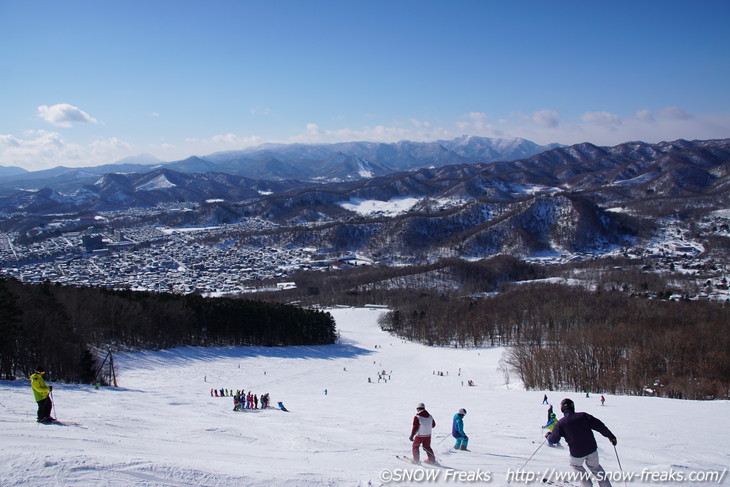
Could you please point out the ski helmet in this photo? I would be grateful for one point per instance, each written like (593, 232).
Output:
(40, 369)
(462, 411)
(421, 406)
(567, 405)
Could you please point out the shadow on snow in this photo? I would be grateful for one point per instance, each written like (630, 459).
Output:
(188, 355)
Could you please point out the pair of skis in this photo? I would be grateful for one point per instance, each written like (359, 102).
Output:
(59, 423)
(425, 464)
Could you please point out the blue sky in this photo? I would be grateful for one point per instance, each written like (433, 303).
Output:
(91, 82)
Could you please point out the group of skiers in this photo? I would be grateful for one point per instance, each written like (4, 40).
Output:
(423, 424)
(241, 400)
(576, 428)
(223, 392)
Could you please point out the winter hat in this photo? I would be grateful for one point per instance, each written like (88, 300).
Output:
(40, 369)
(567, 405)
(462, 411)
(421, 406)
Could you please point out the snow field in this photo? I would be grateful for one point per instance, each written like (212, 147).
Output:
(162, 428)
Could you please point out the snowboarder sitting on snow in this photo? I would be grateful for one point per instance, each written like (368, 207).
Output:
(40, 394)
(457, 431)
(423, 423)
(281, 406)
(577, 430)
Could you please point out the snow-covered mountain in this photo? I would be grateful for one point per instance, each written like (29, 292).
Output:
(561, 200)
(148, 159)
(162, 428)
(306, 162)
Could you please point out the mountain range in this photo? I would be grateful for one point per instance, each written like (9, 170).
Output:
(303, 162)
(573, 199)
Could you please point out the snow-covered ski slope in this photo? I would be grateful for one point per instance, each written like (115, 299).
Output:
(161, 427)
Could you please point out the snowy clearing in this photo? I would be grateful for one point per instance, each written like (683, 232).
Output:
(392, 207)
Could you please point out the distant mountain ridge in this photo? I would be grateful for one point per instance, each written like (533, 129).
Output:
(344, 161)
(348, 161)
(6, 171)
(626, 172)
(567, 199)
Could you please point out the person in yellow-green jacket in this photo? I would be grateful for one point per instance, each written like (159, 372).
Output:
(40, 393)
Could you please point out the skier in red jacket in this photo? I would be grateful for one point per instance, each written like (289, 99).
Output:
(423, 423)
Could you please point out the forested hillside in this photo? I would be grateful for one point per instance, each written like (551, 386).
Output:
(569, 338)
(599, 326)
(65, 328)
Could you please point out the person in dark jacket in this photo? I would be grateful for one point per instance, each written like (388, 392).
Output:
(577, 429)
(423, 424)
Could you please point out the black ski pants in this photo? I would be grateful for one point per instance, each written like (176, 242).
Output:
(44, 408)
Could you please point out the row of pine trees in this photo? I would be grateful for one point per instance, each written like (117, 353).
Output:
(69, 329)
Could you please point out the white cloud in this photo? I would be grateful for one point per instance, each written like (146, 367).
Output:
(234, 140)
(674, 113)
(546, 118)
(477, 123)
(421, 124)
(260, 110)
(645, 115)
(601, 118)
(9, 141)
(64, 115)
(313, 129)
(170, 151)
(419, 130)
(43, 149)
(473, 121)
(112, 144)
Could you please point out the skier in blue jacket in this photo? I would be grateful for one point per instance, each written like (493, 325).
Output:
(457, 431)
(577, 429)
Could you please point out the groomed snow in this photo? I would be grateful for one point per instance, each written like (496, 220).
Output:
(161, 427)
(392, 207)
(160, 182)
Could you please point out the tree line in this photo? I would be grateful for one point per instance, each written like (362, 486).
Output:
(625, 336)
(65, 327)
(566, 337)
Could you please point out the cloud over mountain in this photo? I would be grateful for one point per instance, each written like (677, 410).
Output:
(64, 115)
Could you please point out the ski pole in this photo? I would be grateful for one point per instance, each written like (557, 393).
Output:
(442, 439)
(53, 403)
(533, 454)
(619, 465)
